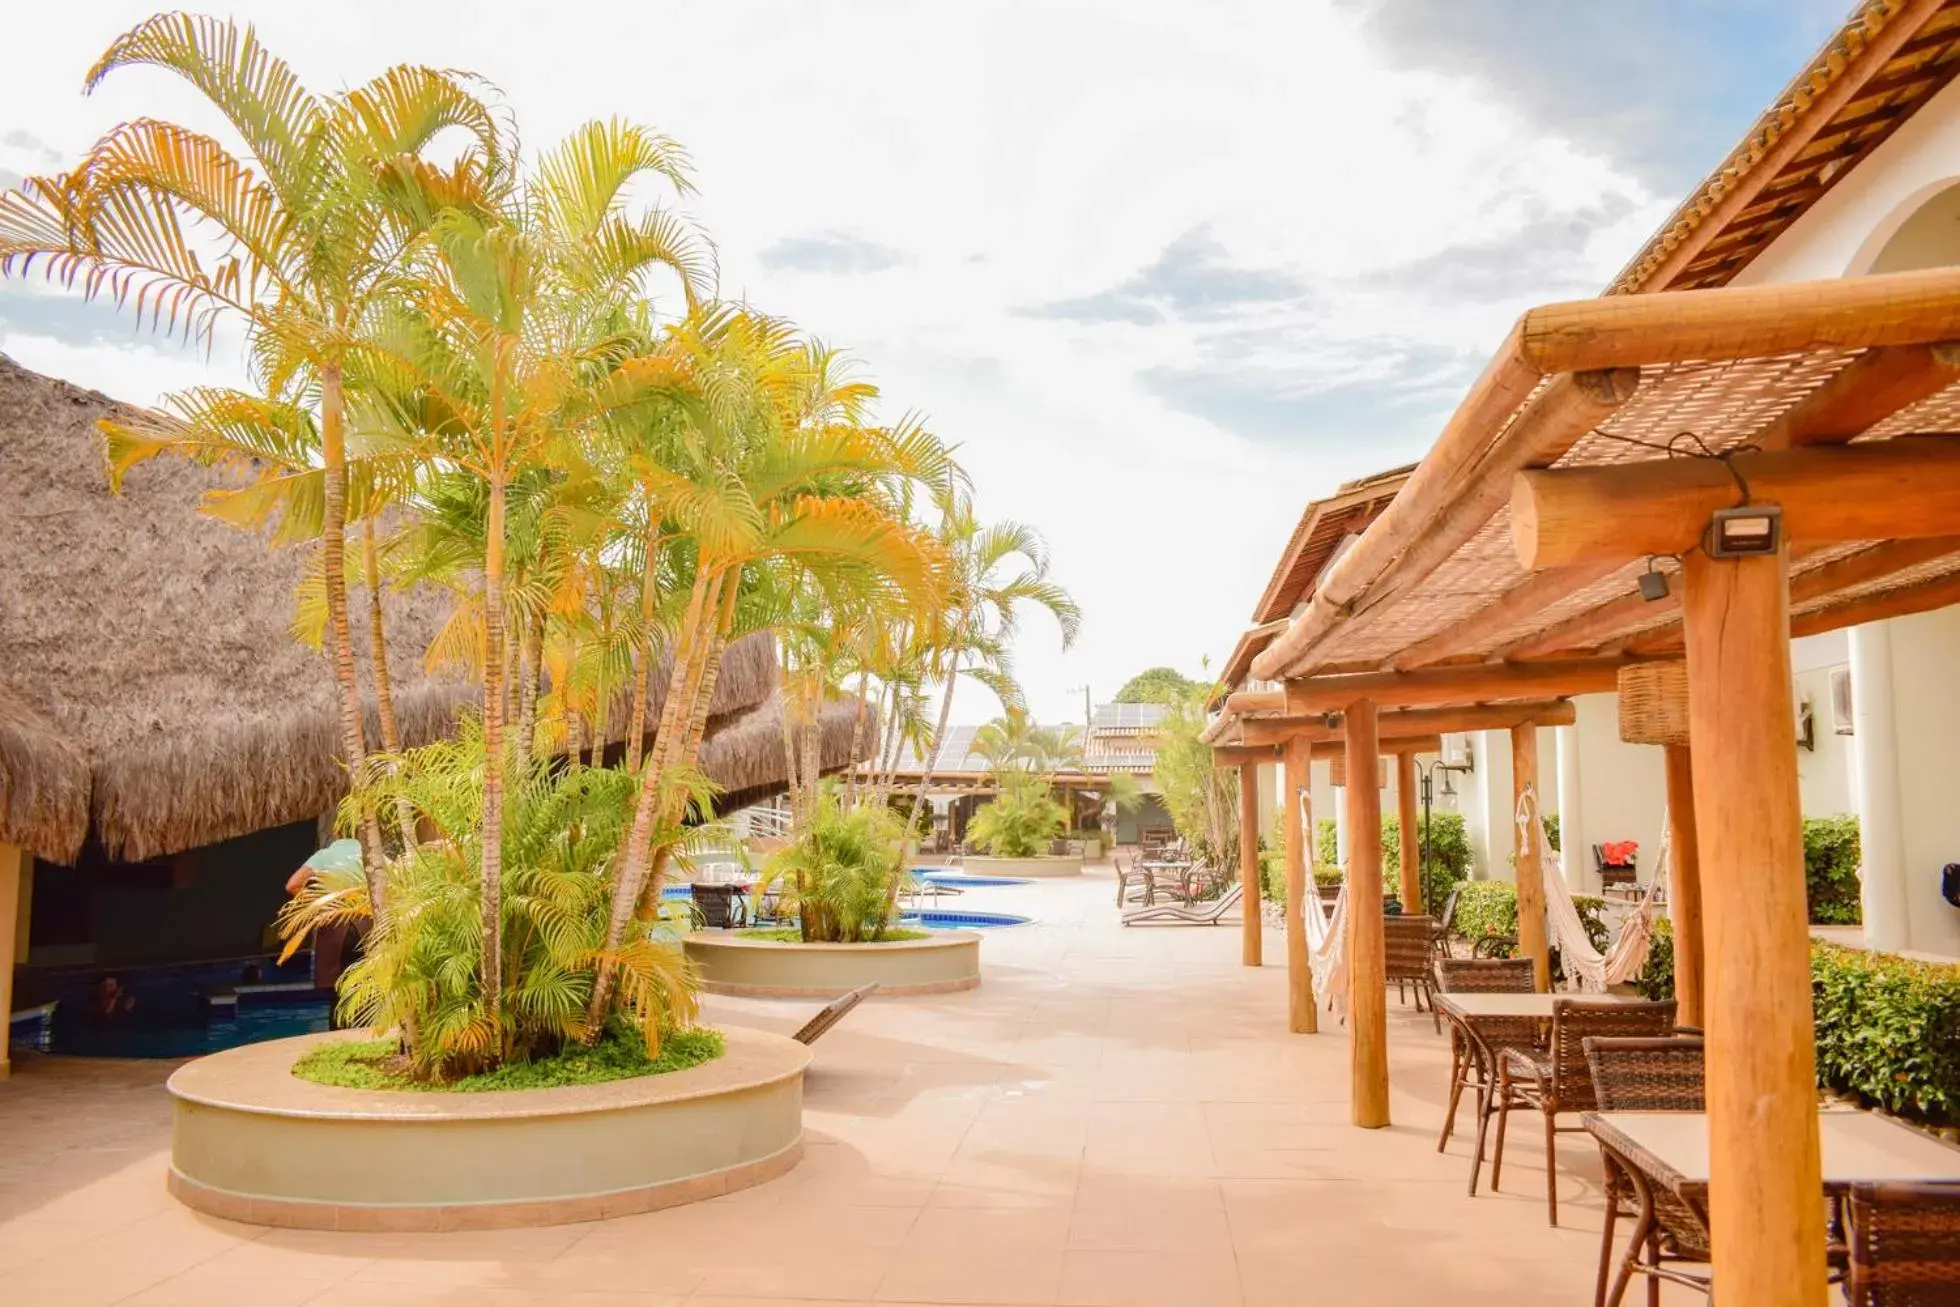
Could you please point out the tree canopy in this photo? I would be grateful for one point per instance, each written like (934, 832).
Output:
(1156, 685)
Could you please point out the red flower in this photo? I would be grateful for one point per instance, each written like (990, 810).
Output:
(1619, 853)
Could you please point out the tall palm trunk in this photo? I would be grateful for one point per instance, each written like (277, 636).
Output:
(492, 888)
(340, 636)
(790, 764)
(384, 691)
(530, 672)
(857, 739)
(635, 865)
(643, 658)
(938, 741)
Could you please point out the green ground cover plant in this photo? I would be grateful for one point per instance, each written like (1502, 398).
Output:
(620, 1055)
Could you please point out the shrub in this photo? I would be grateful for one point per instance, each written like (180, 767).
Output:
(1490, 907)
(619, 1055)
(1449, 862)
(1888, 1031)
(1888, 1028)
(1830, 869)
(1020, 821)
(841, 874)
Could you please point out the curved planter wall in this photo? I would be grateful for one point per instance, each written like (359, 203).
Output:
(1036, 867)
(757, 968)
(252, 1142)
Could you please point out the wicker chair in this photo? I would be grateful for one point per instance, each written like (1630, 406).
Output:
(1557, 1080)
(1408, 951)
(1446, 924)
(1648, 1075)
(1464, 976)
(719, 907)
(1905, 1245)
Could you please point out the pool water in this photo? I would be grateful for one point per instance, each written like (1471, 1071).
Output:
(939, 919)
(935, 876)
(136, 1039)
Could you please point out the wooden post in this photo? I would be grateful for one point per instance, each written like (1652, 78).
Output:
(1408, 834)
(1302, 1016)
(1530, 871)
(1368, 974)
(15, 864)
(1252, 934)
(1765, 1186)
(1684, 891)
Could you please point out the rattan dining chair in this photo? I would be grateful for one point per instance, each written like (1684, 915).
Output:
(1556, 1080)
(1407, 953)
(1467, 976)
(1905, 1244)
(1648, 1075)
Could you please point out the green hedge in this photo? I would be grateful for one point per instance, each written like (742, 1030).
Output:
(1490, 907)
(1449, 861)
(1888, 1028)
(1830, 870)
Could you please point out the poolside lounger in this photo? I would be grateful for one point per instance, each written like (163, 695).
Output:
(815, 1028)
(1195, 914)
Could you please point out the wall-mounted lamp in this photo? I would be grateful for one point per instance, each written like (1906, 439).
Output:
(1653, 583)
(1745, 532)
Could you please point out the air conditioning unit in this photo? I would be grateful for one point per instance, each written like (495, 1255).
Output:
(1841, 721)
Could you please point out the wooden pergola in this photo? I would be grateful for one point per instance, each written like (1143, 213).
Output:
(1600, 444)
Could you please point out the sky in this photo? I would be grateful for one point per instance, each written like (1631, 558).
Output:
(1163, 272)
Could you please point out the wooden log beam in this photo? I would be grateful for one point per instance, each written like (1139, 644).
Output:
(1335, 750)
(1408, 839)
(1940, 592)
(1459, 686)
(1522, 601)
(1764, 1168)
(1254, 703)
(1453, 492)
(1532, 940)
(1684, 888)
(1367, 945)
(1892, 489)
(1252, 929)
(1302, 1013)
(1852, 84)
(1847, 573)
(1878, 384)
(1234, 755)
(1414, 730)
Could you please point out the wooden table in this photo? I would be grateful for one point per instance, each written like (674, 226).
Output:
(1672, 1148)
(1488, 1023)
(1669, 1150)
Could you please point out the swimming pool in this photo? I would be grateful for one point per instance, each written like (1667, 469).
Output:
(943, 919)
(969, 882)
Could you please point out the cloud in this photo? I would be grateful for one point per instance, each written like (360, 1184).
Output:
(1194, 279)
(832, 253)
(1550, 252)
(1667, 88)
(1386, 393)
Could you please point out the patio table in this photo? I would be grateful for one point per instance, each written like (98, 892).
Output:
(1669, 1150)
(1482, 1018)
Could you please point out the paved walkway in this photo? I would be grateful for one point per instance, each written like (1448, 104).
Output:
(1115, 1117)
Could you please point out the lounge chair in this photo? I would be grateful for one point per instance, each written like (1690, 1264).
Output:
(1195, 914)
(816, 1027)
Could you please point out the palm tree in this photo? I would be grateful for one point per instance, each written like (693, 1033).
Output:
(984, 613)
(289, 235)
(768, 487)
(498, 355)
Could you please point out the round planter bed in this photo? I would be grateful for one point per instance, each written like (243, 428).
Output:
(761, 968)
(252, 1142)
(1041, 868)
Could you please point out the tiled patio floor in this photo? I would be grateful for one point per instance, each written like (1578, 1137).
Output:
(1115, 1117)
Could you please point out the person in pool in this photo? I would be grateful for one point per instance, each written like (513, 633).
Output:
(110, 1001)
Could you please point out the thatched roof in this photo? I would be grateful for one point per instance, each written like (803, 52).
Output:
(745, 757)
(149, 688)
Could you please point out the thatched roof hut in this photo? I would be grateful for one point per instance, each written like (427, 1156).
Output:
(150, 691)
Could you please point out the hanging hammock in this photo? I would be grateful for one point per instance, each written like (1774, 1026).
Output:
(1326, 932)
(1627, 954)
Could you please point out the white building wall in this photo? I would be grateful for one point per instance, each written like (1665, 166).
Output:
(1624, 788)
(1926, 680)
(1823, 773)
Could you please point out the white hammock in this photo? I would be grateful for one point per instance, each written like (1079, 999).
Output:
(1326, 932)
(1627, 953)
